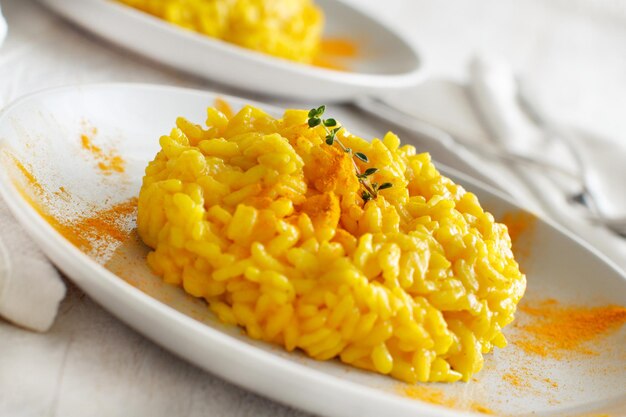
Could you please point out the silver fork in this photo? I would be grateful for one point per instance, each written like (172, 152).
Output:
(584, 196)
(427, 131)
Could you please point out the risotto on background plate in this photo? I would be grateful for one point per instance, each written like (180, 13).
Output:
(290, 29)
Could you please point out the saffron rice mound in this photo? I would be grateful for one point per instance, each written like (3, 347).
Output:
(290, 29)
(266, 221)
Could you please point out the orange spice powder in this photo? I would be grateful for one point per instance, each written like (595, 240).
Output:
(28, 176)
(428, 394)
(551, 383)
(334, 53)
(518, 223)
(339, 47)
(100, 225)
(555, 330)
(103, 223)
(436, 396)
(524, 378)
(481, 409)
(65, 230)
(517, 379)
(106, 224)
(108, 162)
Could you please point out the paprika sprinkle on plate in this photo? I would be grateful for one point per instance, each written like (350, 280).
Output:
(556, 330)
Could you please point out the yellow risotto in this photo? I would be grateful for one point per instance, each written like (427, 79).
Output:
(267, 222)
(290, 29)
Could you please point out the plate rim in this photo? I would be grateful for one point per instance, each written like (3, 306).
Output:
(70, 258)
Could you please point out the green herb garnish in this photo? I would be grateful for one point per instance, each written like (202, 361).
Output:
(371, 189)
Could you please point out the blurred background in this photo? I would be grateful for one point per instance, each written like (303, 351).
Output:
(573, 51)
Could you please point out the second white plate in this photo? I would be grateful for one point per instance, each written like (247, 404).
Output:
(385, 61)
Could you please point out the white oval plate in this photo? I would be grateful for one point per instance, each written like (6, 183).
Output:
(385, 60)
(44, 132)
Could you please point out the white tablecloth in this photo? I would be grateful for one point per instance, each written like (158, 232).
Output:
(90, 364)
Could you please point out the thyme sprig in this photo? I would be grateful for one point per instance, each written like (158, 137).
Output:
(371, 189)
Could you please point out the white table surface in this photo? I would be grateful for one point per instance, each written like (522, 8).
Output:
(89, 363)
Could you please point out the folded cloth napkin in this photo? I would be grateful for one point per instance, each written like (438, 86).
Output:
(497, 96)
(30, 287)
(450, 107)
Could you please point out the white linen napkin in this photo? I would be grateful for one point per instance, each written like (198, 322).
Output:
(494, 90)
(30, 287)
